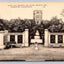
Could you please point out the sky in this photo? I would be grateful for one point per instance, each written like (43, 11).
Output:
(24, 10)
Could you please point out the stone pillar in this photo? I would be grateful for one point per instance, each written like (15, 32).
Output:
(46, 37)
(6, 32)
(16, 39)
(2, 39)
(49, 38)
(63, 39)
(26, 37)
(56, 39)
(8, 38)
(23, 43)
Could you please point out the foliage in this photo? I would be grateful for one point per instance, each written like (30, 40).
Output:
(19, 25)
(55, 25)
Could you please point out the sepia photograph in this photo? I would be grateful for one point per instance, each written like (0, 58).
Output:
(31, 31)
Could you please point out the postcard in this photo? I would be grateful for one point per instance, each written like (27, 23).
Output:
(31, 31)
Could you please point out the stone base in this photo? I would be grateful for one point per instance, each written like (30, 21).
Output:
(26, 44)
(22, 45)
(36, 40)
(46, 44)
(36, 37)
(56, 45)
(2, 46)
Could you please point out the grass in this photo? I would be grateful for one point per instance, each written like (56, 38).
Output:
(30, 54)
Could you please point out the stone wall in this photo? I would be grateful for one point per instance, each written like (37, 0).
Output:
(5, 37)
(25, 41)
(2, 34)
(48, 39)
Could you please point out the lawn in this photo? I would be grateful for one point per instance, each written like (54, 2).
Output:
(30, 54)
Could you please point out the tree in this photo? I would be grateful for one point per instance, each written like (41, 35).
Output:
(16, 25)
(55, 28)
(51, 28)
(2, 25)
(55, 25)
(46, 24)
(54, 21)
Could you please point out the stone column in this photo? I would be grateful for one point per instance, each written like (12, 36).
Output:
(16, 40)
(56, 39)
(49, 38)
(26, 37)
(2, 40)
(63, 39)
(46, 37)
(6, 32)
(23, 43)
(8, 38)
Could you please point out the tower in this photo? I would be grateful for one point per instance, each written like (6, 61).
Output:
(37, 16)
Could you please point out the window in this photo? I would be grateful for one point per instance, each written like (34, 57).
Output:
(60, 39)
(12, 37)
(20, 39)
(52, 38)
